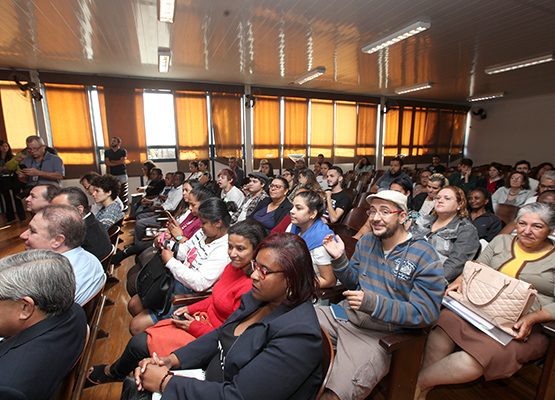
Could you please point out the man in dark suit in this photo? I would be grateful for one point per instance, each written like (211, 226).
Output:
(96, 239)
(44, 330)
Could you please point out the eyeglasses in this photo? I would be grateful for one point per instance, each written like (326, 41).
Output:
(516, 178)
(547, 187)
(384, 213)
(34, 148)
(262, 271)
(272, 186)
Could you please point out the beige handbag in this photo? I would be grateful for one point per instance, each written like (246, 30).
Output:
(496, 297)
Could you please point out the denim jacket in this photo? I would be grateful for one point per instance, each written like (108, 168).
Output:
(456, 243)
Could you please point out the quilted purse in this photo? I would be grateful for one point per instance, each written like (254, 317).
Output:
(496, 297)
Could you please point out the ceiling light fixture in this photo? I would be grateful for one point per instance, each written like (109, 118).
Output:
(496, 69)
(395, 37)
(486, 97)
(414, 88)
(164, 59)
(310, 75)
(166, 10)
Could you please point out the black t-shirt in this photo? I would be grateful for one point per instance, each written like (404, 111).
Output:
(115, 156)
(339, 200)
(436, 169)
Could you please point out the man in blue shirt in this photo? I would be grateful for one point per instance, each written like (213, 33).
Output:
(41, 166)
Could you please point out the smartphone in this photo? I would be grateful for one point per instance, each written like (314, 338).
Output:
(163, 237)
(338, 313)
(170, 216)
(181, 317)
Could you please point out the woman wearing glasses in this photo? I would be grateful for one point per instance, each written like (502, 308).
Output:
(516, 190)
(271, 211)
(270, 348)
(183, 327)
(449, 231)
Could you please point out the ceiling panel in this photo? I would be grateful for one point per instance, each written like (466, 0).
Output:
(265, 42)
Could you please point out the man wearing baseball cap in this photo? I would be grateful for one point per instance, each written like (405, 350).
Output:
(394, 281)
(258, 187)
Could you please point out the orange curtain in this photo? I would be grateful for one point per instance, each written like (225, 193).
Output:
(366, 130)
(322, 127)
(459, 125)
(18, 115)
(191, 117)
(296, 126)
(226, 122)
(3, 135)
(445, 131)
(124, 113)
(391, 139)
(345, 131)
(266, 134)
(70, 125)
(430, 132)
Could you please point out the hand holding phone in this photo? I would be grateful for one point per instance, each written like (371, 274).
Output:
(162, 238)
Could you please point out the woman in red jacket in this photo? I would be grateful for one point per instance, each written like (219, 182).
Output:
(193, 321)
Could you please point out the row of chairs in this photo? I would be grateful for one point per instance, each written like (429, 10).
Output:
(73, 384)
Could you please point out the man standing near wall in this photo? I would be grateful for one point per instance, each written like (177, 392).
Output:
(115, 158)
(232, 162)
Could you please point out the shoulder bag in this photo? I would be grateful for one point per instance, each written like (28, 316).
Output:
(496, 297)
(155, 284)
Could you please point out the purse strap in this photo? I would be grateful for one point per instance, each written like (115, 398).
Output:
(476, 303)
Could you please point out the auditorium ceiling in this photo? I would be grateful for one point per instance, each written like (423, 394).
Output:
(271, 42)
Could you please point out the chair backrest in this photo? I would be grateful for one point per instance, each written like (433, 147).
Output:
(506, 212)
(356, 218)
(91, 303)
(106, 260)
(350, 244)
(361, 200)
(114, 235)
(327, 362)
(351, 192)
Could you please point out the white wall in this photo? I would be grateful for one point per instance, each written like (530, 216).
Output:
(513, 130)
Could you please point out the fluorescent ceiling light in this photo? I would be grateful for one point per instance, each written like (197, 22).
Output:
(486, 96)
(166, 10)
(310, 75)
(414, 88)
(496, 69)
(395, 37)
(164, 59)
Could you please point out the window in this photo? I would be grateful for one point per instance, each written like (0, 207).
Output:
(160, 132)
(19, 114)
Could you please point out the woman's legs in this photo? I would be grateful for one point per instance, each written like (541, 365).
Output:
(135, 351)
(135, 306)
(141, 322)
(443, 366)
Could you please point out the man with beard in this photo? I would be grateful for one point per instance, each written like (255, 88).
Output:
(394, 281)
(395, 171)
(337, 201)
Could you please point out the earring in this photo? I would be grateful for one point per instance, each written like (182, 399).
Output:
(288, 292)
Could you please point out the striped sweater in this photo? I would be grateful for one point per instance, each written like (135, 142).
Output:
(402, 290)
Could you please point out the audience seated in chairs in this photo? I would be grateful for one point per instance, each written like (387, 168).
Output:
(40, 196)
(204, 169)
(306, 221)
(274, 333)
(271, 211)
(151, 191)
(480, 212)
(422, 185)
(179, 229)
(453, 341)
(307, 180)
(170, 204)
(516, 190)
(197, 265)
(44, 330)
(337, 202)
(96, 241)
(106, 190)
(449, 231)
(61, 228)
(169, 335)
(381, 296)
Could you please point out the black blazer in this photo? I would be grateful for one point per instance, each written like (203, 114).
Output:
(278, 357)
(34, 361)
(96, 239)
